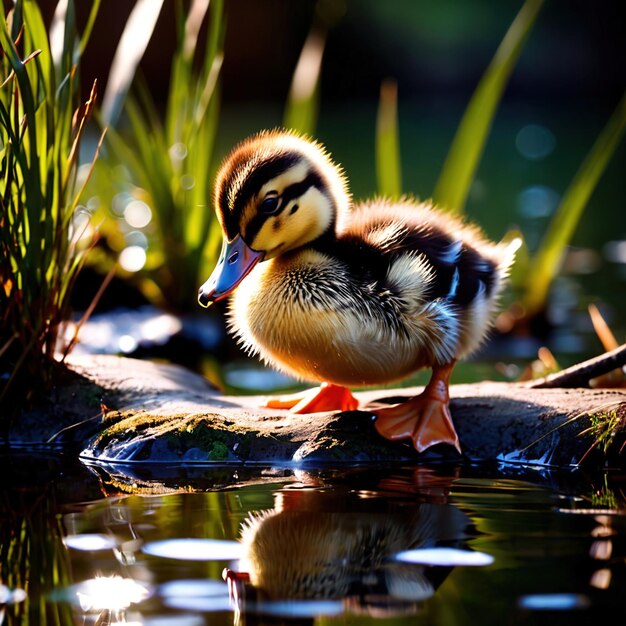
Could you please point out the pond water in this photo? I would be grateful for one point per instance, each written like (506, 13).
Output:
(433, 545)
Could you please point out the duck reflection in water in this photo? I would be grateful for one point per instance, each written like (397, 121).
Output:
(340, 548)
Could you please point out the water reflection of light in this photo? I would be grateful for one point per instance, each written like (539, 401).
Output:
(445, 556)
(604, 527)
(137, 214)
(535, 142)
(195, 549)
(126, 552)
(301, 608)
(408, 583)
(196, 595)
(193, 588)
(601, 579)
(585, 512)
(554, 601)
(174, 620)
(112, 593)
(89, 542)
(601, 550)
(132, 258)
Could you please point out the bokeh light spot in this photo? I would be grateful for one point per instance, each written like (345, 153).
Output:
(137, 214)
(554, 601)
(535, 142)
(195, 549)
(133, 258)
(537, 201)
(89, 542)
(445, 556)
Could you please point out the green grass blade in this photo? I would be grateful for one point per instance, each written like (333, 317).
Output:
(388, 166)
(37, 36)
(91, 20)
(303, 100)
(154, 157)
(211, 67)
(28, 99)
(133, 44)
(39, 163)
(187, 29)
(58, 39)
(546, 261)
(170, 160)
(467, 147)
(127, 155)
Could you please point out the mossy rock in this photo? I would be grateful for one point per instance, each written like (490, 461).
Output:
(166, 414)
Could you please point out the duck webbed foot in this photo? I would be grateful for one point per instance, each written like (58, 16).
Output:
(424, 419)
(326, 397)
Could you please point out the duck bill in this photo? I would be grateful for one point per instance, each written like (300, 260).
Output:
(236, 261)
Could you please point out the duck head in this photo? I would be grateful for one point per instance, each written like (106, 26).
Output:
(275, 192)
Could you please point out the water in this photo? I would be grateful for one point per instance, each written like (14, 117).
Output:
(441, 545)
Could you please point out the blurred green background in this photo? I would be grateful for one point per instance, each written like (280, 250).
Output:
(570, 77)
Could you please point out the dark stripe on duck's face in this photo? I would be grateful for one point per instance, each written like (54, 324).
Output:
(261, 172)
(265, 171)
(290, 193)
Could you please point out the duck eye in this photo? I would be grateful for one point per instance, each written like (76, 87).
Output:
(269, 205)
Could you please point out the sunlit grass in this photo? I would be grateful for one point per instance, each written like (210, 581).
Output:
(130, 50)
(302, 105)
(42, 122)
(168, 166)
(606, 497)
(388, 166)
(303, 100)
(605, 429)
(605, 425)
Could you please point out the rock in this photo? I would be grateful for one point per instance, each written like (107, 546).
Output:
(164, 413)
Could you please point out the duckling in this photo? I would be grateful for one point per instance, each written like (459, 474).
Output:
(349, 295)
(316, 545)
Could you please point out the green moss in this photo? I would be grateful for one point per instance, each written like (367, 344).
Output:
(219, 452)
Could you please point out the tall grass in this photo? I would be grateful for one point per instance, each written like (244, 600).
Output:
(388, 161)
(545, 263)
(170, 164)
(457, 174)
(42, 122)
(303, 100)
(33, 556)
(304, 94)
(467, 146)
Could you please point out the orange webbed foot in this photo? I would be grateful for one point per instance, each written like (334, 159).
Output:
(424, 419)
(326, 397)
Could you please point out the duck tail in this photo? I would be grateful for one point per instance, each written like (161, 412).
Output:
(507, 249)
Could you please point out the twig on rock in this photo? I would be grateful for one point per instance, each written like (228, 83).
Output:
(580, 374)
